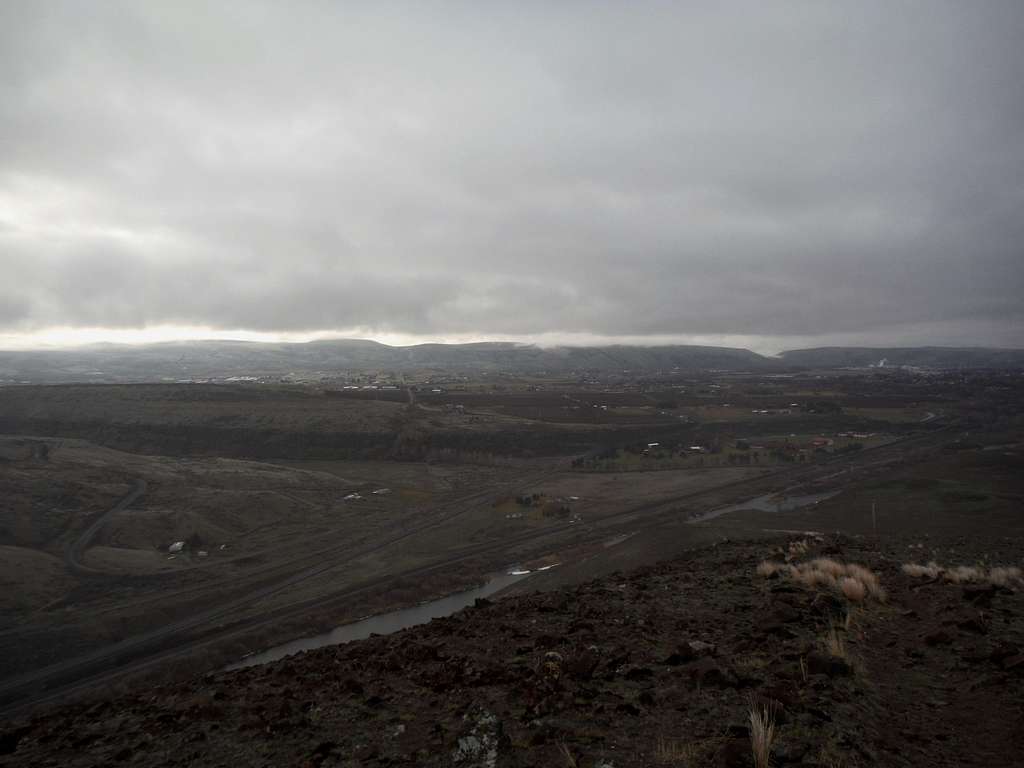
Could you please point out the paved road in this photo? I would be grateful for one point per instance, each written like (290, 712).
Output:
(73, 554)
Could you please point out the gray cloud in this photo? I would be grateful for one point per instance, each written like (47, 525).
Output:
(755, 170)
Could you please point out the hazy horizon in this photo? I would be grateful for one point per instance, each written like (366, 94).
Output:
(760, 345)
(747, 175)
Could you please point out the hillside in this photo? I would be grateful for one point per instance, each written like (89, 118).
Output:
(924, 357)
(660, 666)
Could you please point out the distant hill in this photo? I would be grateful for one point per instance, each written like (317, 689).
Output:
(925, 357)
(183, 361)
(173, 361)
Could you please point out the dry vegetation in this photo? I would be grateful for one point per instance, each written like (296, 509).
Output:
(762, 734)
(1000, 576)
(854, 582)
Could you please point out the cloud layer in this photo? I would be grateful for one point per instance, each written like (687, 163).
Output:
(776, 170)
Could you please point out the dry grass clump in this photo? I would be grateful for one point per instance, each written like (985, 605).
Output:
(853, 581)
(762, 734)
(1006, 577)
(931, 571)
(964, 574)
(1000, 576)
(832, 567)
(852, 589)
(812, 578)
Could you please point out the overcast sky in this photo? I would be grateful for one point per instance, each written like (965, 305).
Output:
(770, 174)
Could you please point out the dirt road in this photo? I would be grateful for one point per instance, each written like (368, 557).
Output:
(73, 554)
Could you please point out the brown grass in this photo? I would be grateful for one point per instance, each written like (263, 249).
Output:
(1005, 577)
(852, 589)
(762, 734)
(835, 644)
(930, 571)
(1000, 576)
(832, 567)
(855, 582)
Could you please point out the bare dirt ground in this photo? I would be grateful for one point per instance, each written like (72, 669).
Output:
(659, 666)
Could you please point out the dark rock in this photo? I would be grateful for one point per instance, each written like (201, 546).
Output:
(9, 740)
(581, 626)
(976, 654)
(819, 663)
(776, 628)
(1014, 662)
(938, 637)
(735, 753)
(784, 694)
(979, 594)
(1003, 650)
(680, 656)
(706, 671)
(639, 673)
(322, 751)
(738, 730)
(782, 613)
(973, 624)
(353, 686)
(789, 752)
(581, 665)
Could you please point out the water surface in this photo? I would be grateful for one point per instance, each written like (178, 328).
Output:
(767, 503)
(386, 623)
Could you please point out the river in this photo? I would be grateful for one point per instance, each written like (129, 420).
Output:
(386, 623)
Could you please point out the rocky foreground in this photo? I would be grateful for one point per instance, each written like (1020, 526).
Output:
(660, 666)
